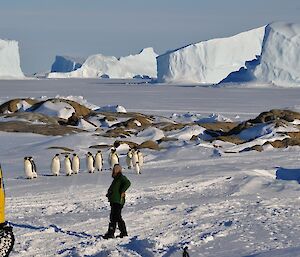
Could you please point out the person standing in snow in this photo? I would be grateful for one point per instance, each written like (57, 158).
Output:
(116, 198)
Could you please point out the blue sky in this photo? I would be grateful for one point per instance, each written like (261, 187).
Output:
(45, 28)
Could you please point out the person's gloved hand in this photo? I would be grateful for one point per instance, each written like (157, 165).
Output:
(123, 195)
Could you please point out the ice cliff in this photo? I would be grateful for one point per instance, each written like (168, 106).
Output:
(10, 60)
(279, 62)
(211, 61)
(269, 54)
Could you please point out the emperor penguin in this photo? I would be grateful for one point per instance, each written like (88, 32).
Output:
(68, 165)
(28, 168)
(129, 159)
(99, 161)
(75, 163)
(141, 158)
(55, 165)
(90, 162)
(33, 166)
(113, 158)
(135, 161)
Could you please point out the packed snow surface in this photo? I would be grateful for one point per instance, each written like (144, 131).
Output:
(219, 205)
(66, 63)
(143, 64)
(10, 60)
(211, 61)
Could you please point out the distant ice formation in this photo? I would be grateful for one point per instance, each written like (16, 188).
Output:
(96, 66)
(66, 64)
(10, 60)
(269, 54)
(209, 62)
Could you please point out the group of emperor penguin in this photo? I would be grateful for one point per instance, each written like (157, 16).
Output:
(72, 166)
(134, 159)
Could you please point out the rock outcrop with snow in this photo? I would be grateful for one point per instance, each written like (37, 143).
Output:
(210, 61)
(130, 66)
(10, 59)
(66, 64)
(279, 61)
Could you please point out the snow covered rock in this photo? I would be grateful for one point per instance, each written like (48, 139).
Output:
(10, 59)
(66, 64)
(279, 62)
(143, 64)
(211, 61)
(56, 108)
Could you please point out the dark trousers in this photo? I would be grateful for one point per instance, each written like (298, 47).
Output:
(116, 218)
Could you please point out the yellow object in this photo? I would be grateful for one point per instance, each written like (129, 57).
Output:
(2, 198)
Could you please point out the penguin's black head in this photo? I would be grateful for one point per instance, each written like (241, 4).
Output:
(57, 154)
(66, 156)
(25, 158)
(74, 154)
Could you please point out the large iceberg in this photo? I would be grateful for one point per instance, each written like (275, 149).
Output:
(10, 59)
(279, 62)
(66, 63)
(143, 64)
(211, 61)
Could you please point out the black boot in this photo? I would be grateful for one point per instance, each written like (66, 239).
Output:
(111, 231)
(123, 230)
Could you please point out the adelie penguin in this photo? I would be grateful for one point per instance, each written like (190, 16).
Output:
(75, 163)
(55, 165)
(90, 162)
(33, 166)
(113, 158)
(28, 168)
(99, 161)
(68, 165)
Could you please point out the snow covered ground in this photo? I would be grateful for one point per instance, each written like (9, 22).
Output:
(187, 195)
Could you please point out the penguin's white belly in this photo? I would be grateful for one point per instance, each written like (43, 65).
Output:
(114, 160)
(68, 167)
(141, 159)
(75, 165)
(55, 167)
(98, 162)
(135, 158)
(129, 161)
(28, 169)
(90, 164)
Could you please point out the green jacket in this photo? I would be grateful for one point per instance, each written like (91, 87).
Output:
(119, 185)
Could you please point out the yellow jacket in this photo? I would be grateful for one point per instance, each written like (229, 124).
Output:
(2, 199)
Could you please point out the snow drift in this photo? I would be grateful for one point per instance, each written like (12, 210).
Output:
(10, 59)
(66, 64)
(130, 66)
(211, 61)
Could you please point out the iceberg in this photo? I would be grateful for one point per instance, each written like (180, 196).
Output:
(10, 60)
(209, 62)
(97, 66)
